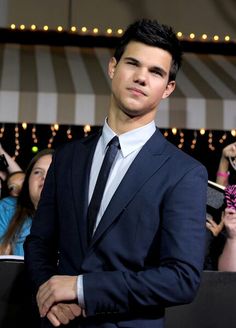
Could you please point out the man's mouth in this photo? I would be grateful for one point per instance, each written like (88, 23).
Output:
(137, 91)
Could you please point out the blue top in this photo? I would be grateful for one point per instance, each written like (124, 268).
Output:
(7, 210)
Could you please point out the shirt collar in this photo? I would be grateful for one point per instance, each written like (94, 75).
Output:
(129, 141)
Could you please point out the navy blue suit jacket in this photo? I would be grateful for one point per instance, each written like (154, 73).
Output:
(148, 250)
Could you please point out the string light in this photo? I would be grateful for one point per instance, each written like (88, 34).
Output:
(56, 126)
(87, 129)
(202, 132)
(17, 143)
(33, 134)
(119, 31)
(179, 35)
(109, 31)
(233, 132)
(194, 140)
(181, 140)
(223, 138)
(54, 129)
(213, 140)
(210, 141)
(24, 125)
(69, 133)
(174, 131)
(2, 131)
(84, 29)
(73, 29)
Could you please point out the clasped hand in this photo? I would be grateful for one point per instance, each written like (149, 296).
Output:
(57, 300)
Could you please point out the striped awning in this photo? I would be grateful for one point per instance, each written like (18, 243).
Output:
(69, 85)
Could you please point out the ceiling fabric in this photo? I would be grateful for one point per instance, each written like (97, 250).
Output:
(70, 85)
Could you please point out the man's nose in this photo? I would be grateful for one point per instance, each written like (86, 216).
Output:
(140, 77)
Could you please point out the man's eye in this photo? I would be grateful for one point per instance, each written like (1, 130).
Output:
(132, 63)
(156, 73)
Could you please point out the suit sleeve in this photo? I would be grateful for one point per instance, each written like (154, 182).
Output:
(40, 246)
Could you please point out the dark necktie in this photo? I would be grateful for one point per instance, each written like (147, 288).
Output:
(96, 199)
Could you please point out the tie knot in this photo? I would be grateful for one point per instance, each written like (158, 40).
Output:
(114, 142)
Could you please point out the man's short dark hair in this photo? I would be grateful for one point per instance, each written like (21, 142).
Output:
(152, 33)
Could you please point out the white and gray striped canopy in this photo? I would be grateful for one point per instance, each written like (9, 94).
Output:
(70, 85)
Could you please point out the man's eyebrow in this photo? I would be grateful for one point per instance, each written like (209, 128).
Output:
(158, 69)
(132, 58)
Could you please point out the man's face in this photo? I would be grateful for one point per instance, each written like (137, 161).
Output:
(140, 80)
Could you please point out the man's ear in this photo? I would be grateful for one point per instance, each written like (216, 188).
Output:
(169, 89)
(111, 67)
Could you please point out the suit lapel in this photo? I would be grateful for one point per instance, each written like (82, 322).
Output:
(147, 162)
(81, 166)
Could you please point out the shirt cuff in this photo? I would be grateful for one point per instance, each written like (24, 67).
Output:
(80, 291)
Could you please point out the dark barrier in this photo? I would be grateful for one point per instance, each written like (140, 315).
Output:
(214, 306)
(15, 299)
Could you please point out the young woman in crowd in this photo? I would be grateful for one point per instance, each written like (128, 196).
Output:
(15, 225)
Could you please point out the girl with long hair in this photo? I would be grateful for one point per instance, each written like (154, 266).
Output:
(14, 228)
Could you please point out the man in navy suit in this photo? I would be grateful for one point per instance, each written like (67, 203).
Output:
(147, 249)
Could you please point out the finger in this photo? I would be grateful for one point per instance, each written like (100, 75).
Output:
(211, 223)
(44, 303)
(65, 308)
(47, 296)
(76, 309)
(43, 293)
(62, 313)
(53, 319)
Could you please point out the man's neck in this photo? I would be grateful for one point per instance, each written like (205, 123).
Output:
(121, 123)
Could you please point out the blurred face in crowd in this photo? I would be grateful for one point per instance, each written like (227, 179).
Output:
(37, 177)
(15, 182)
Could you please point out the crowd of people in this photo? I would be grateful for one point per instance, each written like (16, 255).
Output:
(145, 244)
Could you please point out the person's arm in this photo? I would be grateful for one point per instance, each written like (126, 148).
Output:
(222, 174)
(12, 164)
(227, 260)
